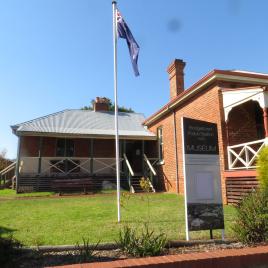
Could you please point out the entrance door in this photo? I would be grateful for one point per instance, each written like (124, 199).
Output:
(134, 154)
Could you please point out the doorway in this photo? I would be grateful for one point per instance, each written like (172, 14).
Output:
(134, 153)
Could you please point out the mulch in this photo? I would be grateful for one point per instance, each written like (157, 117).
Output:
(35, 258)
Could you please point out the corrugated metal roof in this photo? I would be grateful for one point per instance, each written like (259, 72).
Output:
(82, 122)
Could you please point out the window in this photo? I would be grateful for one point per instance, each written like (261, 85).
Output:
(60, 150)
(65, 147)
(160, 144)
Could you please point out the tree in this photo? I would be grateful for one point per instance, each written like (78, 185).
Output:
(3, 160)
(111, 107)
(262, 168)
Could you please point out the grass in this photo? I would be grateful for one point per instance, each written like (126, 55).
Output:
(11, 194)
(61, 221)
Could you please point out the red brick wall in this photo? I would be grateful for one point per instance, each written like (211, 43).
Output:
(101, 147)
(82, 147)
(242, 124)
(204, 106)
(150, 149)
(29, 146)
(167, 171)
(104, 148)
(49, 147)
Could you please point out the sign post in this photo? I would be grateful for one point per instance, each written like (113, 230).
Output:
(202, 181)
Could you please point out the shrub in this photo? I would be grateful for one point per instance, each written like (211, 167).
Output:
(9, 249)
(145, 184)
(251, 225)
(262, 168)
(147, 243)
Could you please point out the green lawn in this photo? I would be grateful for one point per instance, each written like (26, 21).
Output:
(11, 194)
(65, 220)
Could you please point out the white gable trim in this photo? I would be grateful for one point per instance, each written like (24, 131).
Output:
(233, 98)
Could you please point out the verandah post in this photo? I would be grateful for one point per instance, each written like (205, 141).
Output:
(124, 162)
(142, 156)
(91, 157)
(265, 123)
(40, 155)
(39, 160)
(18, 163)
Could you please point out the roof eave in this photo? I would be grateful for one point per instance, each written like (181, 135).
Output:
(84, 136)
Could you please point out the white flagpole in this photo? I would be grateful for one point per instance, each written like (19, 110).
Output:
(116, 111)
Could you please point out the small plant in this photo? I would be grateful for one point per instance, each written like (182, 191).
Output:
(147, 243)
(87, 250)
(262, 168)
(145, 184)
(146, 187)
(124, 200)
(9, 249)
(251, 225)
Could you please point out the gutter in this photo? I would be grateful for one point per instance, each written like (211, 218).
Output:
(91, 136)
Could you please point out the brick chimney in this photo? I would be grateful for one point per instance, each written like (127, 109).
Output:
(176, 77)
(101, 104)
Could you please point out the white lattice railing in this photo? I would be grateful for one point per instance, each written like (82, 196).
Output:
(244, 155)
(58, 165)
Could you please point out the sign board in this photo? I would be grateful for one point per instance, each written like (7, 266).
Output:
(202, 181)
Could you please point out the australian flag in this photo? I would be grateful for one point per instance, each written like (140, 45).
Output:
(124, 32)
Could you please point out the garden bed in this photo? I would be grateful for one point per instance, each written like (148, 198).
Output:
(65, 255)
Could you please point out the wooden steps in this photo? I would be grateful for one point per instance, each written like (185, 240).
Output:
(135, 183)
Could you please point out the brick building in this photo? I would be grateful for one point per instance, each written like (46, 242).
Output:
(237, 102)
(76, 149)
(80, 144)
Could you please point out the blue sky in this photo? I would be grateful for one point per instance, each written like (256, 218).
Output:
(58, 54)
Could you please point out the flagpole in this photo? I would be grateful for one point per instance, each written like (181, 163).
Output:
(116, 112)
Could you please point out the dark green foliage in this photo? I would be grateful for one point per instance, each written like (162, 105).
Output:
(9, 249)
(251, 225)
(147, 243)
(111, 107)
(86, 251)
(87, 108)
(4, 162)
(262, 168)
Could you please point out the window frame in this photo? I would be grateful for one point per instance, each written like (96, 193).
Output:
(160, 145)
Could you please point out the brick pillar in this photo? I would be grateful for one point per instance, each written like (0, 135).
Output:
(265, 121)
(101, 104)
(176, 77)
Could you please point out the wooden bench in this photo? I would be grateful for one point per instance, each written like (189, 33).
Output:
(71, 185)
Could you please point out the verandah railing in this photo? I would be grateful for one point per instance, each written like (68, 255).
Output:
(7, 174)
(244, 155)
(47, 166)
(149, 168)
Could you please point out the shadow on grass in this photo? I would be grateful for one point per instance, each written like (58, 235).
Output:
(35, 258)
(6, 231)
